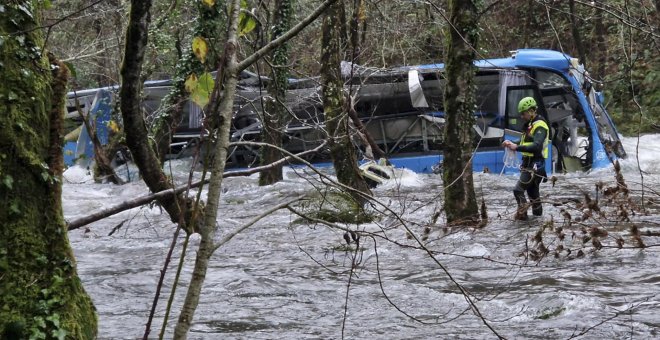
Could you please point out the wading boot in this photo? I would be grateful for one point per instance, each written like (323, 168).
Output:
(537, 208)
(521, 213)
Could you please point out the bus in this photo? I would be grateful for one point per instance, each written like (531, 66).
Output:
(402, 111)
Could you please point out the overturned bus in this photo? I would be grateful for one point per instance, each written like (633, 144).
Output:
(402, 110)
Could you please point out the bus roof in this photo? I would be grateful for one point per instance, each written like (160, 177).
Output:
(522, 58)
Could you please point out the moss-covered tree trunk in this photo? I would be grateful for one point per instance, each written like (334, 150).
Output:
(210, 18)
(41, 295)
(275, 112)
(460, 201)
(342, 150)
(131, 109)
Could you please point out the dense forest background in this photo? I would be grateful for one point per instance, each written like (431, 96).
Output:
(616, 40)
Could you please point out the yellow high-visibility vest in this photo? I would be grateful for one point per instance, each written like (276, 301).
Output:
(535, 125)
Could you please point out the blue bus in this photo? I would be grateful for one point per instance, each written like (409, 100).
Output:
(402, 110)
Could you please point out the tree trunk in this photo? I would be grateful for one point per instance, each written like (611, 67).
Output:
(274, 114)
(342, 150)
(224, 111)
(134, 125)
(575, 31)
(460, 201)
(207, 230)
(601, 51)
(527, 28)
(206, 26)
(368, 140)
(41, 292)
(343, 30)
(356, 18)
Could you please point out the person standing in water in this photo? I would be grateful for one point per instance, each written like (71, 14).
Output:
(534, 149)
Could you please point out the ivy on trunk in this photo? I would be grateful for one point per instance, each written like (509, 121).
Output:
(342, 151)
(42, 296)
(274, 114)
(460, 201)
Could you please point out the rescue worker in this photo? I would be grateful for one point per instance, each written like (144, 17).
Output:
(533, 147)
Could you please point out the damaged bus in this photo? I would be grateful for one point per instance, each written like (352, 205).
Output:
(402, 111)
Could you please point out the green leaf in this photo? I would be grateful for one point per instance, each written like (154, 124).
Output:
(246, 23)
(41, 259)
(200, 89)
(57, 281)
(59, 333)
(8, 181)
(206, 82)
(37, 334)
(40, 322)
(55, 319)
(200, 48)
(13, 207)
(191, 83)
(199, 98)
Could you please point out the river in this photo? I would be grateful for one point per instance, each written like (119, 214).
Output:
(290, 280)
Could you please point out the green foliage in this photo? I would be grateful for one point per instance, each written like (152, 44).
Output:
(246, 20)
(41, 294)
(637, 94)
(396, 33)
(47, 319)
(46, 4)
(200, 48)
(8, 181)
(200, 88)
(14, 208)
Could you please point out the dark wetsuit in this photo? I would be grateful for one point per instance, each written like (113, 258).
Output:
(532, 169)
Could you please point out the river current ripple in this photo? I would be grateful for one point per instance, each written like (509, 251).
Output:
(290, 280)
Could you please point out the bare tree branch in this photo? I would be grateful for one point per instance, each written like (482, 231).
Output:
(284, 37)
(101, 214)
(236, 231)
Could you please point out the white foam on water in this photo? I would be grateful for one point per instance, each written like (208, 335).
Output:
(403, 178)
(77, 174)
(475, 249)
(647, 147)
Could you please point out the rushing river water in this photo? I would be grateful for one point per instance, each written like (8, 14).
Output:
(282, 279)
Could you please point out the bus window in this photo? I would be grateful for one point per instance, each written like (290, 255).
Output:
(514, 94)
